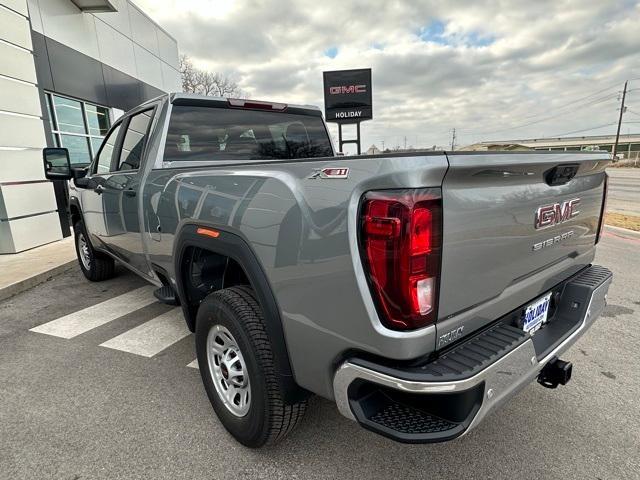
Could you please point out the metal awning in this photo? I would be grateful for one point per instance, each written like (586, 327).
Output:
(95, 5)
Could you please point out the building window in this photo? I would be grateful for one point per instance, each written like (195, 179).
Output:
(77, 126)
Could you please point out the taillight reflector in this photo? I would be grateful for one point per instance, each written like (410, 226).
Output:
(400, 238)
(208, 232)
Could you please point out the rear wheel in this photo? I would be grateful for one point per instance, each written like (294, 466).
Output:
(237, 369)
(95, 266)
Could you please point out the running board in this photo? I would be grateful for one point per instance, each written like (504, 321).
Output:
(167, 295)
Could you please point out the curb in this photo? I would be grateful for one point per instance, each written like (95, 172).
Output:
(26, 284)
(622, 232)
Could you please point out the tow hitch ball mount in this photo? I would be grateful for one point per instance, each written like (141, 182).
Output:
(556, 372)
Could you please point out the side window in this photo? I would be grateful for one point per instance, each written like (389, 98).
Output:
(134, 141)
(106, 154)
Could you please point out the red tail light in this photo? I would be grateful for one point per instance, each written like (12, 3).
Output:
(400, 244)
(604, 207)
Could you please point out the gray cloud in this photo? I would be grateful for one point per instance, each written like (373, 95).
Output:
(542, 55)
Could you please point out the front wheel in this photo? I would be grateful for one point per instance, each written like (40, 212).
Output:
(95, 266)
(237, 369)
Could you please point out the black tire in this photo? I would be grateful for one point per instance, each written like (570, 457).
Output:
(268, 419)
(99, 266)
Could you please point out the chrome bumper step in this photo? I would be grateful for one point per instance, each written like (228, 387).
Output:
(462, 386)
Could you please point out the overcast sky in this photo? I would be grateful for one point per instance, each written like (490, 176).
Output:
(491, 69)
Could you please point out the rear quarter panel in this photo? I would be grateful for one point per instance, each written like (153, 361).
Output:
(304, 233)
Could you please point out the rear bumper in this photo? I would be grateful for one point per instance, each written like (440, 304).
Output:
(448, 397)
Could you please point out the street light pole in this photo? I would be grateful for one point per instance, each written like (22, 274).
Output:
(615, 145)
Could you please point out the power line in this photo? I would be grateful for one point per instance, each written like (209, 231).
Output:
(582, 130)
(593, 102)
(560, 107)
(559, 110)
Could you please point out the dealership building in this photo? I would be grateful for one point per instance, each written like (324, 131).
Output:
(68, 69)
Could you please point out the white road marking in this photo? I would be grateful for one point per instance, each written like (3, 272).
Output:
(92, 317)
(153, 336)
(194, 364)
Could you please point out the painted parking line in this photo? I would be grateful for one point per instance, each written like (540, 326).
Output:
(97, 315)
(194, 364)
(153, 336)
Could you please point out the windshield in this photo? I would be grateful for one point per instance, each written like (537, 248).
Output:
(199, 133)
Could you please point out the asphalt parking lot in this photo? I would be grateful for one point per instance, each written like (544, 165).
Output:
(73, 408)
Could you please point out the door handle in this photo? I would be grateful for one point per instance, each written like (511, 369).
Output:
(130, 193)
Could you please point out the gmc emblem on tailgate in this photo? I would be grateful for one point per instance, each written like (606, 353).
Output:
(556, 213)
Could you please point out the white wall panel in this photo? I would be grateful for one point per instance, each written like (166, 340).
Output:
(143, 30)
(63, 22)
(168, 49)
(118, 20)
(24, 129)
(107, 37)
(6, 239)
(21, 165)
(19, 97)
(34, 14)
(17, 63)
(31, 232)
(148, 66)
(18, 131)
(19, 6)
(27, 199)
(14, 28)
(116, 50)
(171, 78)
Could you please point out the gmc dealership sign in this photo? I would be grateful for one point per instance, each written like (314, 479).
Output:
(347, 95)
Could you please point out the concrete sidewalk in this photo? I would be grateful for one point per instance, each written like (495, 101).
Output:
(21, 271)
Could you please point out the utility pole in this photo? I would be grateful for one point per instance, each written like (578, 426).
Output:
(453, 139)
(615, 145)
(405, 142)
(383, 145)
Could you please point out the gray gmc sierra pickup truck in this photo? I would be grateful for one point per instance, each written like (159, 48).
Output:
(418, 291)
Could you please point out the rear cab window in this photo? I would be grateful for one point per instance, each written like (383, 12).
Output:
(203, 133)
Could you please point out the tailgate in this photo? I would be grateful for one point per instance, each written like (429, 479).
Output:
(495, 257)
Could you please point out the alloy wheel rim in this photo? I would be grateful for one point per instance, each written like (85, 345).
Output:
(84, 253)
(228, 371)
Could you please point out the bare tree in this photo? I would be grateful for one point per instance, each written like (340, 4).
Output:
(188, 75)
(204, 82)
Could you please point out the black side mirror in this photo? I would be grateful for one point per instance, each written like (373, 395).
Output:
(57, 165)
(80, 179)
